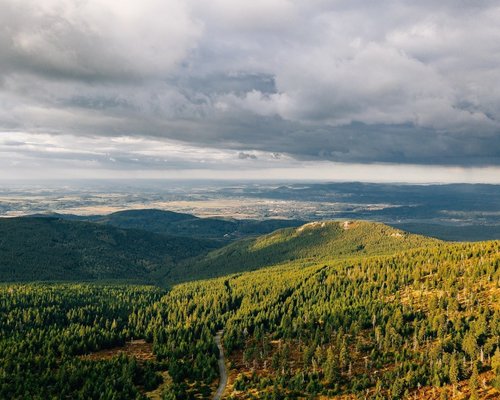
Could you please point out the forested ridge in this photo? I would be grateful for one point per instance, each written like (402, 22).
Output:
(172, 223)
(137, 246)
(420, 322)
(37, 249)
(315, 241)
(54, 249)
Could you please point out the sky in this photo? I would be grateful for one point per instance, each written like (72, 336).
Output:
(399, 91)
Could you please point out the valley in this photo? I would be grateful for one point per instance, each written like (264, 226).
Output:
(463, 212)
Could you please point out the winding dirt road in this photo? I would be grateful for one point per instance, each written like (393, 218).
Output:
(222, 368)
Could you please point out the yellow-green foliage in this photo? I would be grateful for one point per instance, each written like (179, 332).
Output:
(314, 242)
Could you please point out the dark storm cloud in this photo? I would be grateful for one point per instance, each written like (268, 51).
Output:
(347, 81)
(245, 156)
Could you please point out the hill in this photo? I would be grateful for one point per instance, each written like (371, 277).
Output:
(179, 224)
(33, 249)
(314, 241)
(187, 225)
(51, 248)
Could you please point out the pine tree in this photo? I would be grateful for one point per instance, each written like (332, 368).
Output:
(474, 383)
(330, 368)
(454, 372)
(495, 366)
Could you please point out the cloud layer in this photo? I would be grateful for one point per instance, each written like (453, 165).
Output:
(344, 81)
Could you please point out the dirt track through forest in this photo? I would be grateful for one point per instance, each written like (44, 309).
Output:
(222, 367)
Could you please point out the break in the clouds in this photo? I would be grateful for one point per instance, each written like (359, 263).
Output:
(241, 83)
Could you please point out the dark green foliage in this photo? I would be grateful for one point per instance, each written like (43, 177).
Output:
(44, 328)
(187, 225)
(35, 249)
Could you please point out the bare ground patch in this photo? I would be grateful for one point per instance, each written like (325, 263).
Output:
(139, 349)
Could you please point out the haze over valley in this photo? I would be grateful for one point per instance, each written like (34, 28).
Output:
(447, 211)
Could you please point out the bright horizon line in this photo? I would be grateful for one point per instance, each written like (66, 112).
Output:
(307, 172)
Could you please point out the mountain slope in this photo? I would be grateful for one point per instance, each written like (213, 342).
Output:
(55, 249)
(314, 241)
(59, 249)
(459, 233)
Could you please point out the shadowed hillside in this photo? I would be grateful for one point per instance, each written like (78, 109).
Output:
(55, 249)
(179, 224)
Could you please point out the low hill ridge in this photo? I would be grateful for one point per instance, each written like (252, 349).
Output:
(173, 223)
(314, 241)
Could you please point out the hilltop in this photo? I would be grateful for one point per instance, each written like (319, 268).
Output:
(314, 241)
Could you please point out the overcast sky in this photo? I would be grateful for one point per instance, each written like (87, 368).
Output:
(362, 90)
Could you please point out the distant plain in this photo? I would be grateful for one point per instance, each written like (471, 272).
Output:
(449, 212)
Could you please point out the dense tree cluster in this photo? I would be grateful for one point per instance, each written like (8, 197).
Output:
(387, 325)
(43, 329)
(381, 326)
